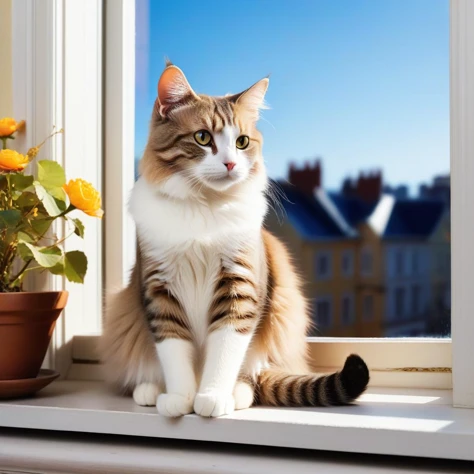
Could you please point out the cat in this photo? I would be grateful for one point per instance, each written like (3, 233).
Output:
(213, 319)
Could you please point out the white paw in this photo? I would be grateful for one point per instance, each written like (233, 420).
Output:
(145, 394)
(173, 404)
(213, 404)
(243, 395)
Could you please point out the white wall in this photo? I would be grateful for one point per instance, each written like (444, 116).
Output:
(6, 99)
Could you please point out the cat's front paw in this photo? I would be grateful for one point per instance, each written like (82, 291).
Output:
(214, 404)
(173, 404)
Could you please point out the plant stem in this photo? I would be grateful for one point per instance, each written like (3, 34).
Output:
(20, 273)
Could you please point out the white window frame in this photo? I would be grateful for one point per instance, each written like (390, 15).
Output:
(57, 77)
(46, 79)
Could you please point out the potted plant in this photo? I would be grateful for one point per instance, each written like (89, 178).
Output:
(29, 205)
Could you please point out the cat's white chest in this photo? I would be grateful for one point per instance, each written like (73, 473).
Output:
(189, 240)
(192, 275)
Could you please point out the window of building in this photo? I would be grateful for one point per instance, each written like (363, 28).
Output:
(347, 263)
(347, 310)
(399, 263)
(416, 300)
(323, 313)
(368, 307)
(415, 262)
(366, 262)
(400, 302)
(323, 265)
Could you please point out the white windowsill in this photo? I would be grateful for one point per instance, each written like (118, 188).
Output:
(408, 422)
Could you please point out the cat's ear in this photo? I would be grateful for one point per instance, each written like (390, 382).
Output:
(173, 90)
(253, 98)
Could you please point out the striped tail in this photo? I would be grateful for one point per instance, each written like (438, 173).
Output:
(340, 388)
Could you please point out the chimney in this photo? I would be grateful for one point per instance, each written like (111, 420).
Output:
(369, 187)
(306, 179)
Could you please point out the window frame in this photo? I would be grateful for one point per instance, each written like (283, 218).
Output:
(53, 67)
(44, 36)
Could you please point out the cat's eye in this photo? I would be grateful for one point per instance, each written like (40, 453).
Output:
(242, 142)
(203, 137)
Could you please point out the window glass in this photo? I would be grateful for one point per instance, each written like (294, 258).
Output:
(347, 310)
(368, 307)
(323, 313)
(347, 263)
(323, 265)
(356, 140)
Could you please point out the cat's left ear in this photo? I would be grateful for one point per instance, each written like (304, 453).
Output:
(173, 90)
(253, 98)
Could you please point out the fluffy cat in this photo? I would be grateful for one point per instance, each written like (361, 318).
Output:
(213, 318)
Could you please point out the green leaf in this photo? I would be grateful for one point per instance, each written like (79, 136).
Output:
(47, 257)
(26, 200)
(51, 174)
(9, 219)
(75, 266)
(62, 199)
(20, 182)
(49, 203)
(40, 226)
(79, 227)
(58, 269)
(24, 237)
(25, 253)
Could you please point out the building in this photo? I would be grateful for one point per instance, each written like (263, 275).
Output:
(411, 236)
(374, 264)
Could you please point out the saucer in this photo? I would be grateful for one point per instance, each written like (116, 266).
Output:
(25, 387)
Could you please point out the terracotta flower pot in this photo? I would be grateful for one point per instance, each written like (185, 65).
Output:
(27, 322)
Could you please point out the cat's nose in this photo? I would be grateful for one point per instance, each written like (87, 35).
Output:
(230, 166)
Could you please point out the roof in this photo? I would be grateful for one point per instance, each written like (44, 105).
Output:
(354, 210)
(335, 216)
(414, 218)
(308, 216)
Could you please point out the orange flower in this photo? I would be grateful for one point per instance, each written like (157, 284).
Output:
(84, 197)
(9, 126)
(11, 160)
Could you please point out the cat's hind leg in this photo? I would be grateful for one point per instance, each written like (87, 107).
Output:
(146, 394)
(127, 348)
(244, 395)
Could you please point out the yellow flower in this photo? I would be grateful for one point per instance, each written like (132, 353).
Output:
(84, 196)
(11, 160)
(9, 126)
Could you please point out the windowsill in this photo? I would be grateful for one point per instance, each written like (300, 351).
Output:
(408, 422)
(78, 453)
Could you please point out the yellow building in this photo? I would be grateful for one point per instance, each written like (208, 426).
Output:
(340, 265)
(373, 265)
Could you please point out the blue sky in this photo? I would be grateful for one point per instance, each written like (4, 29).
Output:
(363, 84)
